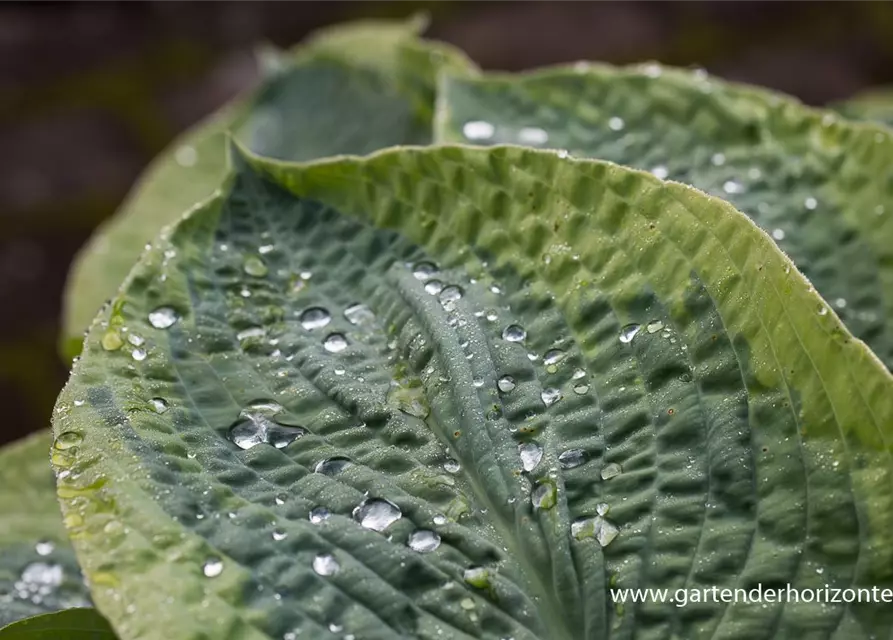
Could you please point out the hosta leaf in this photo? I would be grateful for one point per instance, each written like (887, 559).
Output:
(875, 105)
(38, 571)
(350, 90)
(821, 186)
(459, 393)
(71, 624)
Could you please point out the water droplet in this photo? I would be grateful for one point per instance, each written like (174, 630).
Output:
(477, 382)
(325, 564)
(660, 171)
(553, 356)
(315, 318)
(718, 159)
(477, 577)
(451, 466)
(616, 124)
(135, 340)
(449, 296)
(264, 407)
(212, 568)
(318, 514)
(603, 531)
(823, 310)
(533, 135)
(41, 574)
(163, 317)
(505, 384)
(44, 547)
(250, 332)
(840, 303)
(629, 332)
(550, 396)
(544, 495)
(424, 271)
(433, 287)
(602, 508)
(610, 470)
(333, 466)
(251, 430)
(732, 187)
(478, 130)
(581, 389)
(377, 514)
(67, 440)
(279, 534)
(514, 333)
(439, 520)
(810, 203)
(359, 314)
(138, 354)
(254, 266)
(778, 234)
(654, 327)
(531, 453)
(572, 458)
(335, 342)
(159, 404)
(579, 373)
(423, 541)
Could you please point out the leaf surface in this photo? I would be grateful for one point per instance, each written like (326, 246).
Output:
(38, 570)
(463, 393)
(71, 624)
(350, 90)
(821, 186)
(875, 105)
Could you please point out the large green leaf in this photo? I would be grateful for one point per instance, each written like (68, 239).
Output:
(38, 570)
(822, 187)
(350, 90)
(875, 105)
(71, 624)
(485, 386)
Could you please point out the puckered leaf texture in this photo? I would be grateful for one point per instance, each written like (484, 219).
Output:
(464, 393)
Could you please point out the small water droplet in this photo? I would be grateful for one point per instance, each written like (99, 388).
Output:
(572, 458)
(359, 314)
(449, 296)
(579, 373)
(654, 327)
(250, 332)
(138, 354)
(514, 333)
(505, 384)
(581, 389)
(810, 203)
(718, 159)
(318, 514)
(424, 271)
(212, 568)
(135, 340)
(778, 234)
(660, 171)
(423, 541)
(439, 520)
(602, 508)
(610, 470)
(163, 317)
(553, 356)
(335, 342)
(333, 466)
(254, 266)
(377, 514)
(252, 429)
(840, 303)
(531, 453)
(44, 547)
(732, 187)
(264, 407)
(325, 564)
(478, 130)
(629, 332)
(315, 318)
(67, 440)
(823, 310)
(279, 535)
(159, 405)
(533, 135)
(451, 466)
(550, 396)
(433, 287)
(616, 124)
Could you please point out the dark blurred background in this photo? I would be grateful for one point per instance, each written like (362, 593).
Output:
(90, 92)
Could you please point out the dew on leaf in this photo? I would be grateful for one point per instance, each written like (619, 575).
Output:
(251, 430)
(451, 466)
(449, 296)
(318, 514)
(533, 136)
(778, 234)
(553, 356)
(159, 405)
(616, 124)
(212, 568)
(544, 495)
(579, 373)
(255, 266)
(279, 535)
(610, 470)
(810, 203)
(732, 187)
(333, 466)
(571, 458)
(377, 514)
(67, 440)
(325, 564)
(581, 389)
(433, 287)
(163, 317)
(423, 540)
(250, 332)
(359, 314)
(424, 271)
(138, 354)
(315, 318)
(477, 577)
(628, 332)
(654, 327)
(505, 384)
(550, 396)
(335, 342)
(660, 171)
(478, 130)
(263, 406)
(531, 453)
(514, 333)
(603, 531)
(44, 547)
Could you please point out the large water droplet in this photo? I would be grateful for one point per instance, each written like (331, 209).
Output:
(572, 458)
(359, 314)
(450, 296)
(603, 531)
(553, 356)
(514, 333)
(424, 271)
(377, 514)
(335, 342)
(138, 354)
(325, 564)
(505, 384)
(163, 317)
(315, 318)
(610, 470)
(254, 266)
(550, 396)
(531, 453)
(451, 466)
(478, 130)
(629, 332)
(253, 429)
(159, 405)
(318, 514)
(212, 568)
(544, 495)
(423, 541)
(433, 287)
(333, 466)
(68, 439)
